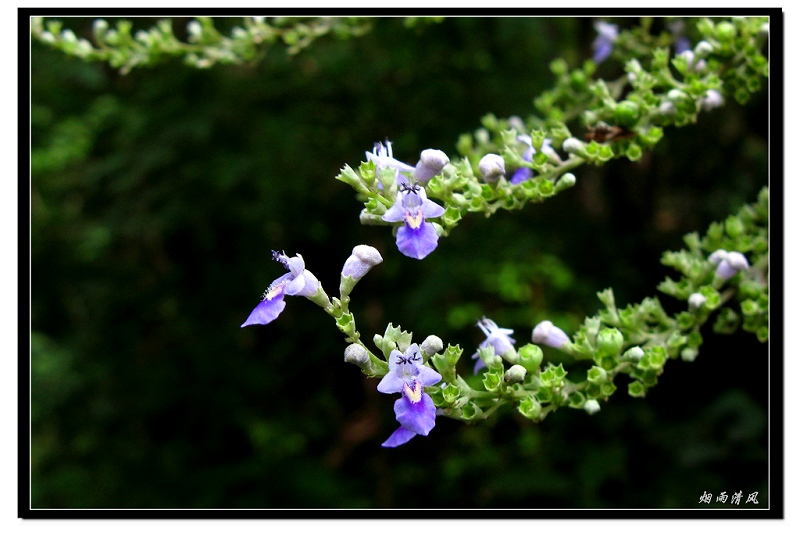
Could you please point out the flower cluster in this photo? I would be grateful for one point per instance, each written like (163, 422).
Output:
(414, 410)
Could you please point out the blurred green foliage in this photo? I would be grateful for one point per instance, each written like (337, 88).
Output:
(157, 196)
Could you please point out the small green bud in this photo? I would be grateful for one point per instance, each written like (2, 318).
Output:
(597, 375)
(530, 357)
(626, 114)
(450, 393)
(636, 389)
(530, 408)
(609, 341)
(725, 31)
(515, 374)
(734, 226)
(591, 406)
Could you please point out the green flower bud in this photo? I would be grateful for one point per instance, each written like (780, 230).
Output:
(597, 375)
(530, 408)
(636, 389)
(609, 341)
(626, 114)
(515, 374)
(530, 357)
(725, 31)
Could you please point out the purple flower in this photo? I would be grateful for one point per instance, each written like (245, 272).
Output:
(297, 281)
(728, 263)
(416, 238)
(414, 410)
(382, 157)
(525, 173)
(546, 333)
(496, 337)
(603, 44)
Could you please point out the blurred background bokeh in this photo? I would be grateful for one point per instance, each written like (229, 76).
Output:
(157, 196)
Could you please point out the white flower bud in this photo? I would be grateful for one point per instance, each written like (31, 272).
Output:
(667, 108)
(431, 346)
(572, 145)
(703, 48)
(591, 406)
(492, 167)
(675, 94)
(634, 353)
(194, 29)
(696, 300)
(99, 26)
(431, 162)
(713, 99)
(357, 355)
(361, 261)
(516, 373)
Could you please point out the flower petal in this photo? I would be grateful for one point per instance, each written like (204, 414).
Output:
(419, 417)
(431, 209)
(266, 311)
(520, 175)
(391, 383)
(397, 212)
(400, 436)
(427, 376)
(417, 243)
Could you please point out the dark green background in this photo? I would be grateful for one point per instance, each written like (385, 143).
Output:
(156, 198)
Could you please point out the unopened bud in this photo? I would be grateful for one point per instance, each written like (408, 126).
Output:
(431, 345)
(703, 48)
(357, 355)
(431, 162)
(516, 373)
(572, 145)
(696, 300)
(546, 333)
(492, 167)
(591, 406)
(363, 258)
(634, 353)
(713, 99)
